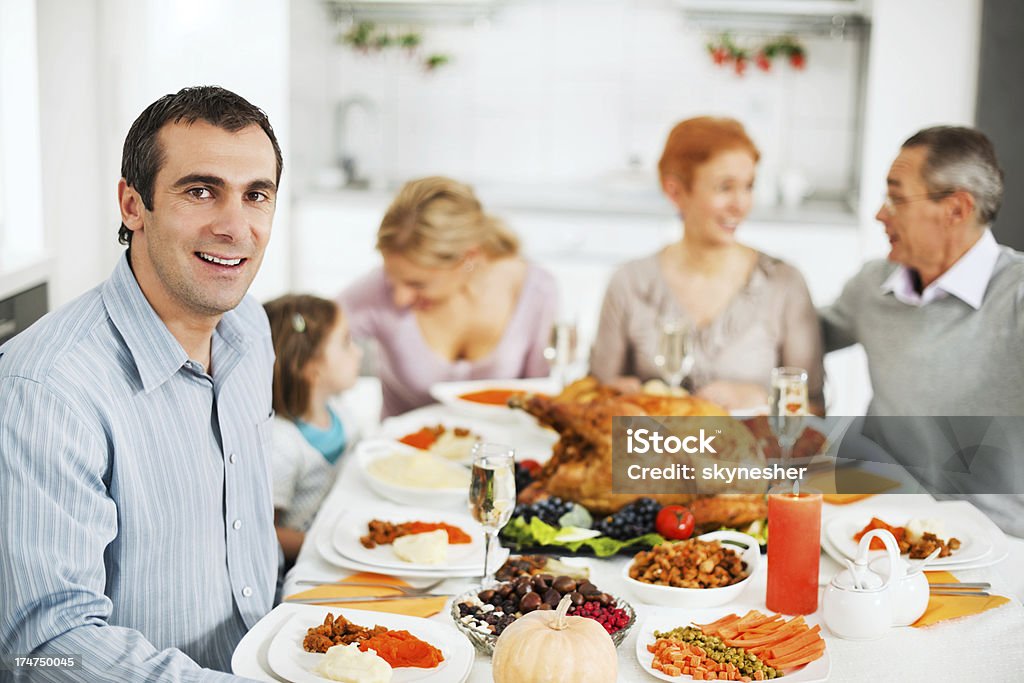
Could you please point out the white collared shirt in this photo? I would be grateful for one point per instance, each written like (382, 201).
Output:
(967, 279)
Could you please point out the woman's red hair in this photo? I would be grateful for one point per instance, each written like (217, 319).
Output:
(694, 141)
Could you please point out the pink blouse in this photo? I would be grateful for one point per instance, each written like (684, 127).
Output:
(408, 366)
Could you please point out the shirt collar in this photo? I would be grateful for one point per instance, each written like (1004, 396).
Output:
(967, 279)
(156, 352)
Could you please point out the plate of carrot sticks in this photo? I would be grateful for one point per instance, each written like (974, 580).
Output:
(733, 645)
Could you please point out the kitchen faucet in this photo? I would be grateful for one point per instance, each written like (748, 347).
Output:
(344, 156)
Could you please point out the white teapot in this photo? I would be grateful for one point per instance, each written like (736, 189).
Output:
(909, 589)
(861, 604)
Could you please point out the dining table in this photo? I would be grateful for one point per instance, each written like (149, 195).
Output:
(987, 646)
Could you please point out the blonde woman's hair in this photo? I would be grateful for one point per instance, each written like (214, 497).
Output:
(434, 221)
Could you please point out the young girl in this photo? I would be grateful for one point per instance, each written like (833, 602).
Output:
(316, 361)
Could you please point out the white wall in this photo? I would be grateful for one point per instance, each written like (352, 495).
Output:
(80, 208)
(21, 220)
(923, 71)
(102, 63)
(566, 91)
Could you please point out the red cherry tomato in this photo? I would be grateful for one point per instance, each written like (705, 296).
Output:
(674, 522)
(531, 466)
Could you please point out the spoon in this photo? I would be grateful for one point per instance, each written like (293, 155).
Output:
(919, 567)
(854, 573)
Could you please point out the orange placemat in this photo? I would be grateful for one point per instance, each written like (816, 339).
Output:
(867, 483)
(944, 607)
(420, 607)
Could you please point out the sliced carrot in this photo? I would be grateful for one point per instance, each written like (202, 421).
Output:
(795, 644)
(800, 657)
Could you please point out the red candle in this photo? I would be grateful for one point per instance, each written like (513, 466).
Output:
(794, 530)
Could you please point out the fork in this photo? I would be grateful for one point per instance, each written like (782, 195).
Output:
(405, 590)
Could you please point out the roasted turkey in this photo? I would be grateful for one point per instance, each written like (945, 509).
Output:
(580, 468)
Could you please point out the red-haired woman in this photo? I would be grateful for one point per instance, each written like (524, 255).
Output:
(750, 312)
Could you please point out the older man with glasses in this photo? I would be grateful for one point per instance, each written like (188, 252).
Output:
(942, 320)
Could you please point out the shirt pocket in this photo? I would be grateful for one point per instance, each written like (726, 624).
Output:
(265, 430)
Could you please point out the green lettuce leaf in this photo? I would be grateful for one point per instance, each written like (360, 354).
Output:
(537, 533)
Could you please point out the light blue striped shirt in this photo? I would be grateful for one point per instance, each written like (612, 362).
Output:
(136, 526)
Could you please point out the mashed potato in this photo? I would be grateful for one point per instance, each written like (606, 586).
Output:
(452, 447)
(348, 664)
(916, 528)
(420, 470)
(427, 548)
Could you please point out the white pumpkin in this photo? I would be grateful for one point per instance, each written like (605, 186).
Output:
(550, 647)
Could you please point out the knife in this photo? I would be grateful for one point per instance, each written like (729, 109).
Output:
(960, 593)
(364, 598)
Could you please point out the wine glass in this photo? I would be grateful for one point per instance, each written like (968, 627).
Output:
(673, 354)
(492, 493)
(561, 350)
(788, 406)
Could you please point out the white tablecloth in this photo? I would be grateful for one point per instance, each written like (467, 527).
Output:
(985, 647)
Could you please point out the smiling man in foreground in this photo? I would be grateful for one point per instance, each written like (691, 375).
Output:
(136, 521)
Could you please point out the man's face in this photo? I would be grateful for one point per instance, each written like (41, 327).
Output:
(915, 228)
(196, 253)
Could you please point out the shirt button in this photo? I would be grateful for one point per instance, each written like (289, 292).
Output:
(236, 525)
(246, 592)
(231, 458)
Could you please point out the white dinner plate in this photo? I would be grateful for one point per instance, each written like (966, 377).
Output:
(449, 393)
(290, 661)
(818, 670)
(350, 526)
(975, 542)
(1000, 544)
(324, 544)
(529, 439)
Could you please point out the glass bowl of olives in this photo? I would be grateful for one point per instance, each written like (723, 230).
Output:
(484, 612)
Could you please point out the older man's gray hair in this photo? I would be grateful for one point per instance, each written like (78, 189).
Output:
(962, 158)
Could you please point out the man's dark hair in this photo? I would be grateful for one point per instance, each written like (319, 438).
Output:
(960, 158)
(142, 156)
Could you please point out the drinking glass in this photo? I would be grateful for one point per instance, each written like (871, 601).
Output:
(673, 354)
(561, 350)
(492, 493)
(787, 406)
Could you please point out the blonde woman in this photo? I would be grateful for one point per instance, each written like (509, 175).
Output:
(454, 300)
(751, 311)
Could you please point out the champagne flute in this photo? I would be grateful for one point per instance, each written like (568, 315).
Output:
(787, 406)
(492, 493)
(673, 354)
(561, 350)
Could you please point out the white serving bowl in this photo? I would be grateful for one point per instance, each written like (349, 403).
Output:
(370, 451)
(670, 596)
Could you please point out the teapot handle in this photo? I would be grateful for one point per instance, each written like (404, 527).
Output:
(892, 550)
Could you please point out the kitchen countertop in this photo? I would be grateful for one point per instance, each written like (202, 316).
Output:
(622, 199)
(21, 275)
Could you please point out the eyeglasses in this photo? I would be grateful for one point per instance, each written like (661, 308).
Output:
(890, 203)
